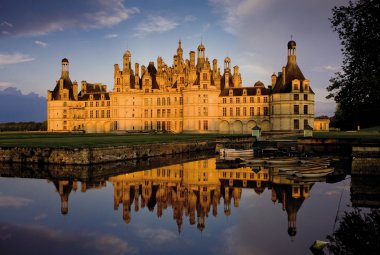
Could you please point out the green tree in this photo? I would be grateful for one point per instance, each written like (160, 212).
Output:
(357, 87)
(358, 233)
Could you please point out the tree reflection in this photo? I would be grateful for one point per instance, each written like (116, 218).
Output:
(358, 233)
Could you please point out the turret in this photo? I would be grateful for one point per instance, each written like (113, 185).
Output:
(201, 55)
(192, 58)
(75, 90)
(65, 69)
(292, 52)
(179, 50)
(127, 60)
(274, 79)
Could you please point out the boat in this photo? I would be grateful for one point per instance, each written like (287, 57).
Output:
(233, 153)
(284, 161)
(314, 174)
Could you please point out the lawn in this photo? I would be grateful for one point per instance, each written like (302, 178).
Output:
(71, 140)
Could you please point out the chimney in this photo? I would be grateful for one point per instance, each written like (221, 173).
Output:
(283, 75)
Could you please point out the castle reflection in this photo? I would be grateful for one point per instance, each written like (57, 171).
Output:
(194, 190)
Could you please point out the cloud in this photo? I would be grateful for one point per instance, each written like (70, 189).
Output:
(48, 17)
(15, 58)
(156, 236)
(332, 68)
(36, 236)
(109, 36)
(14, 201)
(233, 12)
(4, 85)
(41, 44)
(5, 24)
(155, 24)
(40, 216)
(189, 18)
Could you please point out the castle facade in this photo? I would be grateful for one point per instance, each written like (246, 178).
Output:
(190, 96)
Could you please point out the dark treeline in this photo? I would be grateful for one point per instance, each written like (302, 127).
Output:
(23, 126)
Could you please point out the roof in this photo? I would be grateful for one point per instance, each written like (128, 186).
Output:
(292, 72)
(96, 96)
(251, 91)
(67, 84)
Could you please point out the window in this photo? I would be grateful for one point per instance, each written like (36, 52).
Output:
(158, 101)
(231, 111)
(108, 113)
(168, 101)
(146, 101)
(224, 100)
(251, 111)
(237, 111)
(102, 114)
(108, 103)
(163, 101)
(244, 100)
(205, 111)
(296, 109)
(305, 109)
(231, 100)
(91, 104)
(181, 100)
(85, 104)
(91, 114)
(306, 87)
(146, 125)
(168, 112)
(205, 99)
(97, 104)
(251, 100)
(258, 99)
(295, 87)
(244, 111)
(96, 114)
(265, 99)
(158, 125)
(180, 112)
(266, 112)
(296, 124)
(305, 97)
(158, 113)
(224, 112)
(258, 111)
(163, 113)
(296, 97)
(238, 100)
(305, 123)
(204, 76)
(205, 125)
(146, 112)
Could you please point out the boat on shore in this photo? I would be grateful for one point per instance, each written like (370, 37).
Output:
(233, 153)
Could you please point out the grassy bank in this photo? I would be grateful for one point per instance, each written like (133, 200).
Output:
(69, 140)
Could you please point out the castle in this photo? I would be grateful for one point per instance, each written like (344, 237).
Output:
(190, 96)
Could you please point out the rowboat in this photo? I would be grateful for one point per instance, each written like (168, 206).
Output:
(232, 153)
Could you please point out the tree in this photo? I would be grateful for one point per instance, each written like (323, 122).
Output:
(357, 87)
(358, 233)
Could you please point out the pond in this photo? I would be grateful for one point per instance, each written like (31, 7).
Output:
(186, 207)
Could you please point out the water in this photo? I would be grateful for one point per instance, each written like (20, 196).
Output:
(187, 208)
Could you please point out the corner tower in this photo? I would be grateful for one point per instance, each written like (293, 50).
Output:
(292, 104)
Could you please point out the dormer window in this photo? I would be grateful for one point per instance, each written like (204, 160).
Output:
(91, 97)
(230, 93)
(244, 92)
(258, 92)
(306, 87)
(102, 97)
(295, 86)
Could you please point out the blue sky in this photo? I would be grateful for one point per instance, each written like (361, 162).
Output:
(94, 34)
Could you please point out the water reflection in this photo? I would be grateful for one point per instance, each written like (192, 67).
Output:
(193, 190)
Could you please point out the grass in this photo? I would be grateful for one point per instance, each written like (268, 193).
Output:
(368, 134)
(70, 140)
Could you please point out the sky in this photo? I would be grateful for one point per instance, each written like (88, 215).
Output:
(94, 34)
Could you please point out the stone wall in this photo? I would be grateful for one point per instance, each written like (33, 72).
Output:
(365, 160)
(86, 156)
